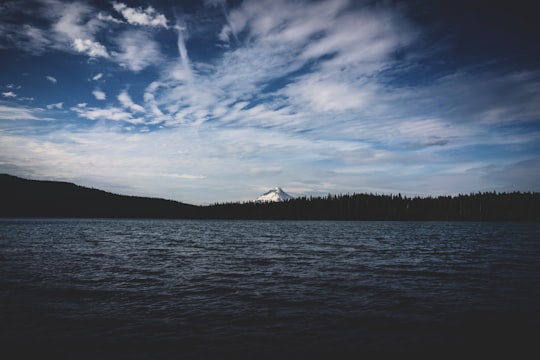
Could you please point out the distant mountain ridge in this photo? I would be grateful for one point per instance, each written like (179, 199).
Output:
(35, 198)
(276, 194)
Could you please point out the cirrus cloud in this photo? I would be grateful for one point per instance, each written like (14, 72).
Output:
(139, 16)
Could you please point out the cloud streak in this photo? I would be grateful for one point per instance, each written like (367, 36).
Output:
(139, 16)
(126, 102)
(57, 106)
(9, 112)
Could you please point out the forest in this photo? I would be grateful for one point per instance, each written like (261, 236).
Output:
(33, 198)
(487, 206)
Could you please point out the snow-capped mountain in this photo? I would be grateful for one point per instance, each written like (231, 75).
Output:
(276, 194)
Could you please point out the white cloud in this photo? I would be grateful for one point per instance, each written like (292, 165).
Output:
(105, 156)
(126, 102)
(278, 39)
(329, 95)
(19, 113)
(376, 35)
(71, 23)
(138, 50)
(279, 19)
(99, 95)
(90, 47)
(158, 160)
(59, 24)
(184, 59)
(51, 79)
(9, 94)
(106, 17)
(111, 113)
(139, 16)
(75, 28)
(58, 106)
(97, 76)
(150, 100)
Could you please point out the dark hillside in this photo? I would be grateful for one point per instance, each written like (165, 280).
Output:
(31, 198)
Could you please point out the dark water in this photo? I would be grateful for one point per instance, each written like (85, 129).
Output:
(124, 289)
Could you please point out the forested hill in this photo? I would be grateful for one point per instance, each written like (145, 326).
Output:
(31, 198)
(515, 206)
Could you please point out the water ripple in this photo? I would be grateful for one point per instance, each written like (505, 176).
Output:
(271, 289)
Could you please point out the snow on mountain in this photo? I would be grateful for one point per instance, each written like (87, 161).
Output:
(276, 194)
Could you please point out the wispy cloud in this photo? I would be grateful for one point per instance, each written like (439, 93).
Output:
(51, 79)
(108, 17)
(9, 94)
(97, 76)
(137, 50)
(58, 106)
(99, 95)
(110, 113)
(139, 16)
(287, 41)
(184, 59)
(32, 39)
(9, 112)
(75, 28)
(90, 47)
(126, 102)
(73, 20)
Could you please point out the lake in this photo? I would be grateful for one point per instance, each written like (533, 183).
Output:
(160, 289)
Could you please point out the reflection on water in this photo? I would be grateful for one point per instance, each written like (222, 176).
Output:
(168, 289)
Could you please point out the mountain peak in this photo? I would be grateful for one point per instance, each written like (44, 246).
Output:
(276, 194)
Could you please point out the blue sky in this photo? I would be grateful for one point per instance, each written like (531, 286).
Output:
(212, 101)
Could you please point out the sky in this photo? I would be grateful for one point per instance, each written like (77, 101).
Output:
(217, 101)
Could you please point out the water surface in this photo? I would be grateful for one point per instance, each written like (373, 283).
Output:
(266, 289)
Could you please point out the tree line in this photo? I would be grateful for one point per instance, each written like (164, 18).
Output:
(31, 198)
(486, 206)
